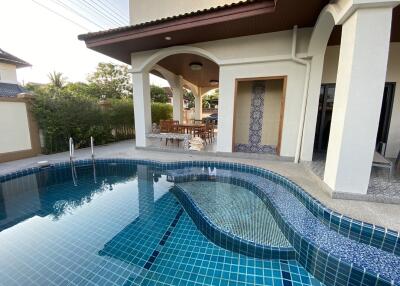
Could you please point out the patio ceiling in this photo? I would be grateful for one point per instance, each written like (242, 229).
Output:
(180, 64)
(240, 19)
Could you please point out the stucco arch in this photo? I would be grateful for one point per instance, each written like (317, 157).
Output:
(322, 31)
(149, 63)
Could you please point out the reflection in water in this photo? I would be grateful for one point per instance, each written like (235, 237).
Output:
(19, 200)
(57, 192)
(146, 192)
(136, 242)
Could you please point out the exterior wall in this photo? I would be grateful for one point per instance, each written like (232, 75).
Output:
(295, 83)
(258, 56)
(392, 75)
(150, 10)
(19, 133)
(8, 73)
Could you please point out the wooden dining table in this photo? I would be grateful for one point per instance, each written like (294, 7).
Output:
(190, 128)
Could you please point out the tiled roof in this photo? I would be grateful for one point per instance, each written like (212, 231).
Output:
(166, 19)
(10, 59)
(11, 89)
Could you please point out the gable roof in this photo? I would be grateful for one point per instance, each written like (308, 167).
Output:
(8, 58)
(11, 89)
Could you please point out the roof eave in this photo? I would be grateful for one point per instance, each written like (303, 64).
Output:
(178, 24)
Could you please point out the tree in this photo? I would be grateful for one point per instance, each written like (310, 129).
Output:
(57, 79)
(188, 97)
(110, 81)
(158, 94)
(210, 100)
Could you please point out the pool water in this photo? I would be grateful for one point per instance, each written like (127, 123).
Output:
(119, 224)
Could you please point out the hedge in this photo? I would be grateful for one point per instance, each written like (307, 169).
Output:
(65, 116)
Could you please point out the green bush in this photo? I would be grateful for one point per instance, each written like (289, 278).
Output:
(160, 111)
(68, 115)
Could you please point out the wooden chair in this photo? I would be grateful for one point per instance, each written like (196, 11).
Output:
(164, 126)
(210, 129)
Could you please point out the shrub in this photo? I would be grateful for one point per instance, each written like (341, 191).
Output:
(69, 115)
(160, 111)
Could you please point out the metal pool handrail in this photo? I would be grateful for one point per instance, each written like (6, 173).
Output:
(92, 146)
(71, 148)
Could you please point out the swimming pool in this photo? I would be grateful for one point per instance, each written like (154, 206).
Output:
(127, 222)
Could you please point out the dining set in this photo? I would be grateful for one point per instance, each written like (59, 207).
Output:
(196, 128)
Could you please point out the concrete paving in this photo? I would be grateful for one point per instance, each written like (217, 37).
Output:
(386, 215)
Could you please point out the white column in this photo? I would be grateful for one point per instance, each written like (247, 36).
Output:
(177, 99)
(226, 104)
(358, 99)
(142, 106)
(198, 105)
(314, 90)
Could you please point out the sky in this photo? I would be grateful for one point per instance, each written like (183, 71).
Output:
(44, 33)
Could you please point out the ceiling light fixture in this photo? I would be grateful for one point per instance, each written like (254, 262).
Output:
(214, 82)
(196, 66)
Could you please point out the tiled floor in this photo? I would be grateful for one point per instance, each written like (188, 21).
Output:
(382, 186)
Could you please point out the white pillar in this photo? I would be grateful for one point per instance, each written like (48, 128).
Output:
(177, 99)
(226, 104)
(198, 105)
(358, 99)
(314, 90)
(142, 106)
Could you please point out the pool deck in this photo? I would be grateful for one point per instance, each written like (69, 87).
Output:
(386, 215)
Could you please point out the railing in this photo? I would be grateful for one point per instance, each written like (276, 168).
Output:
(71, 148)
(71, 157)
(92, 146)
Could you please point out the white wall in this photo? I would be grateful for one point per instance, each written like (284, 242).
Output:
(393, 75)
(8, 73)
(150, 10)
(14, 127)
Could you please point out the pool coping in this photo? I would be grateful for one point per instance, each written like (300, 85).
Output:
(382, 238)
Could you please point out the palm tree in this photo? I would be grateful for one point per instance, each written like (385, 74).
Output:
(57, 79)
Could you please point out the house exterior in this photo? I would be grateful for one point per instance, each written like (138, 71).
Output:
(294, 76)
(19, 132)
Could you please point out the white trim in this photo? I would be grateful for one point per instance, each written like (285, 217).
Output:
(159, 55)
